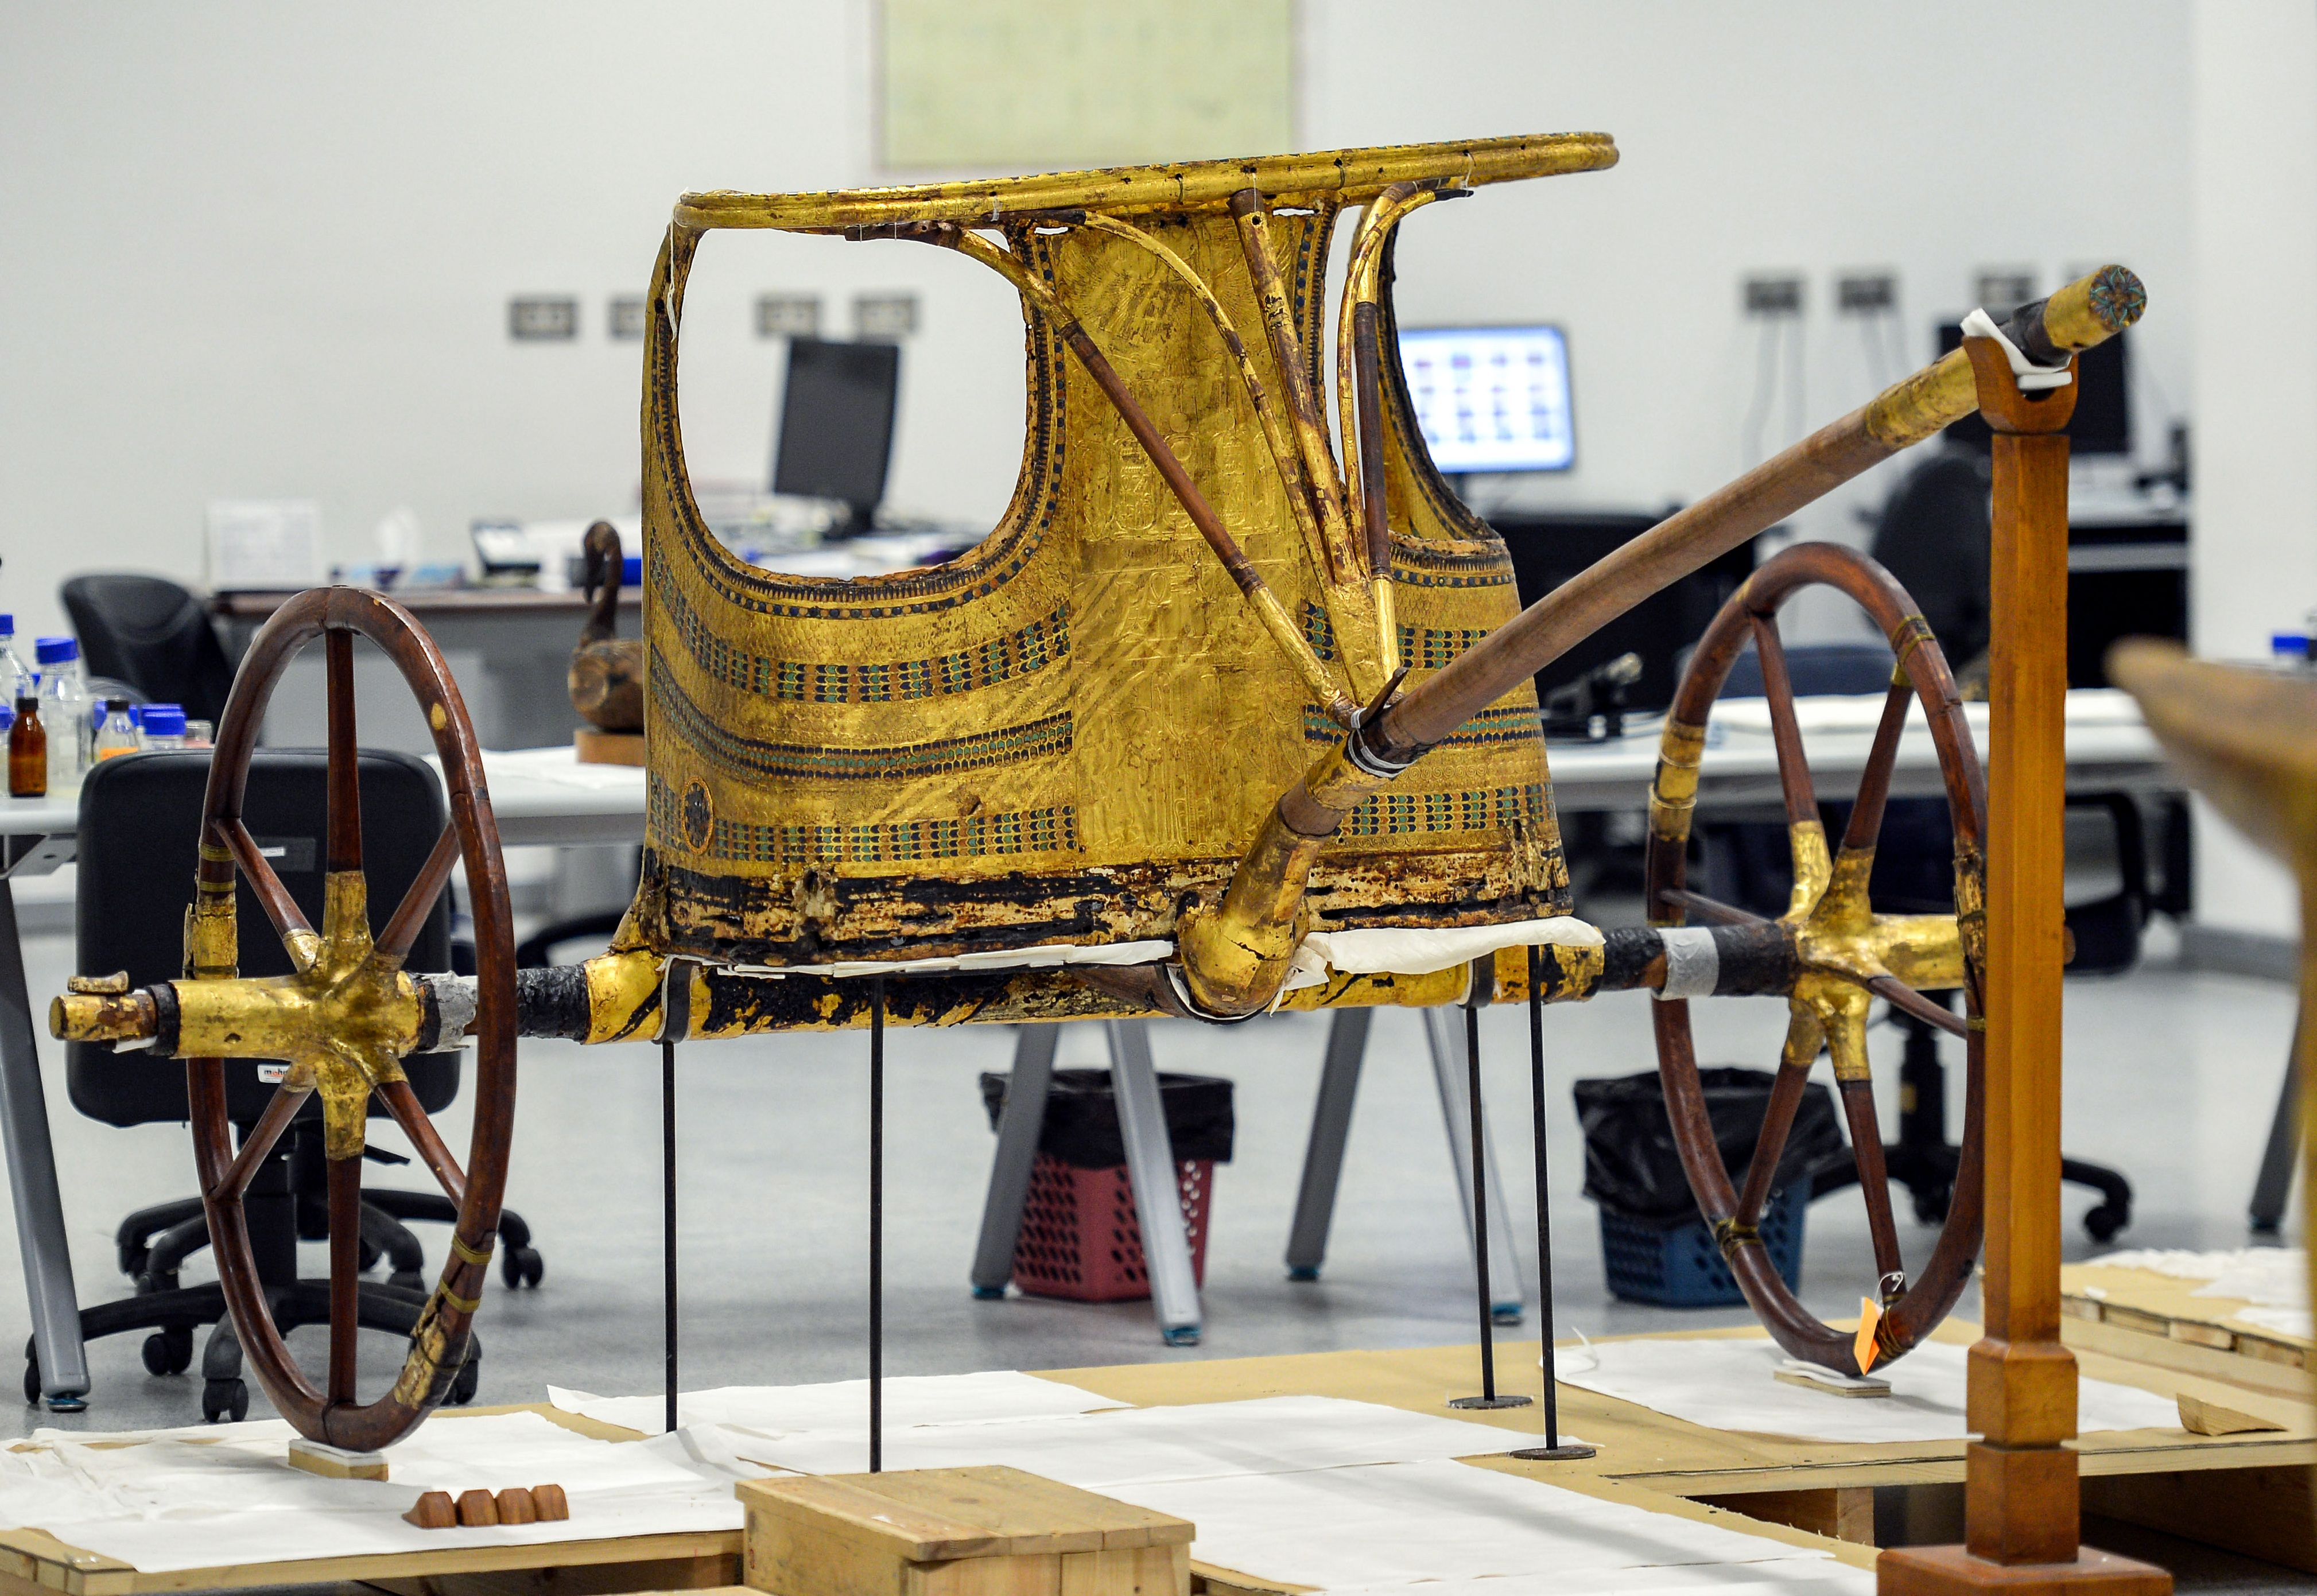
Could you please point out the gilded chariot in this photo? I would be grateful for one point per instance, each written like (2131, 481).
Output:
(1231, 712)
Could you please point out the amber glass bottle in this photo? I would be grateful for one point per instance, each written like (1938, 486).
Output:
(28, 752)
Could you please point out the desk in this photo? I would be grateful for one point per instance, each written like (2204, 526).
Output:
(509, 648)
(544, 795)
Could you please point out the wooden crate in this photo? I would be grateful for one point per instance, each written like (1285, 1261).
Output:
(956, 1532)
(2155, 1318)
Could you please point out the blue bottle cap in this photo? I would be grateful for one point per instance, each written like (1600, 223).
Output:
(631, 571)
(165, 720)
(56, 651)
(2293, 644)
(7, 624)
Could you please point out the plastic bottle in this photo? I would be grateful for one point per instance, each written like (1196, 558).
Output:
(64, 709)
(16, 678)
(28, 751)
(2288, 651)
(165, 725)
(118, 735)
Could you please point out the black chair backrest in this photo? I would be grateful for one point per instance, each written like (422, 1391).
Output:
(152, 634)
(1933, 538)
(1816, 668)
(140, 841)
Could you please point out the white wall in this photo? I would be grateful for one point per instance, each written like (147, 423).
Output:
(264, 249)
(2255, 554)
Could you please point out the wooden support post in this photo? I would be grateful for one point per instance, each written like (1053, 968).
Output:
(2021, 1506)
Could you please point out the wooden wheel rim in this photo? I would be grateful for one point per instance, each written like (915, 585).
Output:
(1933, 1293)
(439, 1346)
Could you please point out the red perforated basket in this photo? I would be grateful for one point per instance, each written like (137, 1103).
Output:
(1079, 1237)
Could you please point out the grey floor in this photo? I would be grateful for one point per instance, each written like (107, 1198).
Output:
(2170, 1075)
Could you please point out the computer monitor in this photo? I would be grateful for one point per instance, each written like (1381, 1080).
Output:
(1490, 398)
(2102, 423)
(836, 424)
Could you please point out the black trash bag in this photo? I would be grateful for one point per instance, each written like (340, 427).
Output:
(1081, 1125)
(1632, 1167)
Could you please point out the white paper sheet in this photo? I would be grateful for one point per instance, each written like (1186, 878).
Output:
(1391, 1528)
(844, 1404)
(1728, 1384)
(1107, 1450)
(176, 1504)
(2274, 1279)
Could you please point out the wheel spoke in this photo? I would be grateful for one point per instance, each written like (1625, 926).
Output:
(410, 914)
(280, 1111)
(1875, 781)
(1794, 1063)
(1786, 732)
(1906, 999)
(1874, 1181)
(1709, 909)
(345, 1274)
(345, 851)
(402, 1102)
(273, 897)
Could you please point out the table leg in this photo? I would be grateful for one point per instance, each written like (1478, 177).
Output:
(1448, 1074)
(2270, 1191)
(1157, 1190)
(32, 1183)
(1323, 1155)
(1018, 1125)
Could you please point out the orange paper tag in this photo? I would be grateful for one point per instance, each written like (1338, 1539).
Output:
(1862, 1346)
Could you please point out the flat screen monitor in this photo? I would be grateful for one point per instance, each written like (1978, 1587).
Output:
(2102, 423)
(1491, 399)
(837, 424)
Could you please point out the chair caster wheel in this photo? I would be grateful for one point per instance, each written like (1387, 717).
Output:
(470, 1378)
(1304, 1272)
(32, 1381)
(407, 1279)
(169, 1351)
(521, 1266)
(2108, 1221)
(989, 1294)
(1181, 1336)
(225, 1399)
(1504, 1313)
(370, 1257)
(1931, 1209)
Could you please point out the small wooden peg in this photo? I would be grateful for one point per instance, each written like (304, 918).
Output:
(553, 1506)
(433, 1511)
(2199, 1417)
(516, 1506)
(477, 1508)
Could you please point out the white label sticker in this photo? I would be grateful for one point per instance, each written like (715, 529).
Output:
(272, 1074)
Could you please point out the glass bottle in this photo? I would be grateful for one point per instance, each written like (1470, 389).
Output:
(16, 678)
(164, 726)
(64, 710)
(28, 751)
(118, 735)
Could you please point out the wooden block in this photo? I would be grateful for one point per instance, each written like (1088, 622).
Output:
(553, 1505)
(1946, 1570)
(477, 1508)
(1838, 1512)
(2202, 1335)
(434, 1511)
(2199, 1417)
(336, 1463)
(594, 746)
(515, 1506)
(991, 1531)
(1790, 1376)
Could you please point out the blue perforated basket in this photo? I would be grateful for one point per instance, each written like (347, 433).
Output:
(1681, 1268)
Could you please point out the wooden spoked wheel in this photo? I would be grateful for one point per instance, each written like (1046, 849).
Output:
(1846, 954)
(342, 1019)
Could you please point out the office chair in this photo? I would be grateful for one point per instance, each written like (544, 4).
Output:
(1914, 873)
(139, 819)
(152, 634)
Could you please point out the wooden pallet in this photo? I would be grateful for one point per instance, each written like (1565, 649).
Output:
(2154, 1318)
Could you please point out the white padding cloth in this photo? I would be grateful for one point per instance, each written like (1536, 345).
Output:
(2030, 377)
(1419, 950)
(1045, 955)
(1692, 963)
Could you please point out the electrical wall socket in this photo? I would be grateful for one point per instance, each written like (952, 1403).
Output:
(884, 316)
(2003, 289)
(1774, 295)
(788, 315)
(623, 317)
(542, 318)
(1866, 293)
